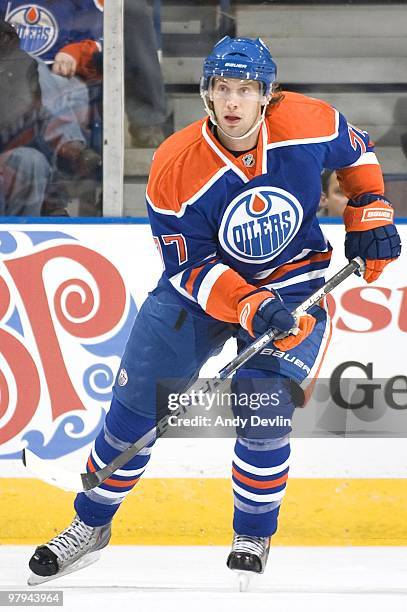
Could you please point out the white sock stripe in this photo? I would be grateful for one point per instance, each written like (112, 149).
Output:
(99, 499)
(264, 445)
(249, 509)
(126, 473)
(268, 497)
(96, 459)
(252, 469)
(110, 494)
(114, 442)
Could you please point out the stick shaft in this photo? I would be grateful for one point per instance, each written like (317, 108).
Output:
(93, 479)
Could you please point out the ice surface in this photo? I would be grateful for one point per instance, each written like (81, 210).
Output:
(196, 579)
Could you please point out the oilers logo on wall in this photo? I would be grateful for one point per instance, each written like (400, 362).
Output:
(259, 223)
(36, 27)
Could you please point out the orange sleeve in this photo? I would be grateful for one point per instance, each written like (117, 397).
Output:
(358, 180)
(225, 296)
(83, 53)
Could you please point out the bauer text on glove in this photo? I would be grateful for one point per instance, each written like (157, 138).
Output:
(371, 234)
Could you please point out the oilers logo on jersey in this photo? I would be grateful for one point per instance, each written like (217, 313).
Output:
(259, 223)
(36, 27)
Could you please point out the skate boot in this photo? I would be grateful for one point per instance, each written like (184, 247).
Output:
(248, 557)
(75, 547)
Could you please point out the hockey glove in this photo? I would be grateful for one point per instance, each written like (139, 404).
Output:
(371, 234)
(306, 324)
(262, 310)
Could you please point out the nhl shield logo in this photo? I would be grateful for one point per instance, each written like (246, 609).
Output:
(122, 378)
(248, 160)
(259, 223)
(36, 27)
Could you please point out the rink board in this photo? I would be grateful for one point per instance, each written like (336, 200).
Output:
(61, 339)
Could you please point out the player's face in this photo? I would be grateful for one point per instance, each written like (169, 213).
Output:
(237, 104)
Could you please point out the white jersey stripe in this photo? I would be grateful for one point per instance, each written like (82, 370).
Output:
(301, 278)
(365, 159)
(192, 199)
(301, 255)
(208, 283)
(176, 283)
(295, 141)
(229, 164)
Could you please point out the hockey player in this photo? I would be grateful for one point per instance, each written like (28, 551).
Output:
(232, 201)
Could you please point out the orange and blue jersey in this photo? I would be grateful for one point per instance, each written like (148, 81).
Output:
(226, 225)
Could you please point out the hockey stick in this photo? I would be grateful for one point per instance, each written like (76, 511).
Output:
(84, 482)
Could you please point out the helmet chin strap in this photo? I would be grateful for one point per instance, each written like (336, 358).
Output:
(212, 116)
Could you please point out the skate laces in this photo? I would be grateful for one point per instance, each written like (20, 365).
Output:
(70, 540)
(249, 544)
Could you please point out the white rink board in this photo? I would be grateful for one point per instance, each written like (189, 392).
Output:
(129, 248)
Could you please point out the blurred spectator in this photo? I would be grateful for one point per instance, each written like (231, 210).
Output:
(33, 140)
(66, 35)
(395, 189)
(146, 105)
(74, 158)
(24, 171)
(333, 201)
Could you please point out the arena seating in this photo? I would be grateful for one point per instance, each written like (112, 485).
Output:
(351, 54)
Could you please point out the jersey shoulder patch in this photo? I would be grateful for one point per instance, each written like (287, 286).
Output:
(182, 166)
(299, 117)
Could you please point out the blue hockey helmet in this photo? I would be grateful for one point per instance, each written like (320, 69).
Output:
(240, 58)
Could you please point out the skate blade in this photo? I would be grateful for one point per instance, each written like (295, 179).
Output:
(244, 580)
(89, 559)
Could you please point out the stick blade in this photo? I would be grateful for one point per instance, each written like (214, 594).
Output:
(48, 472)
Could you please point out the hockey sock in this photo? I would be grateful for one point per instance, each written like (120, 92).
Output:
(259, 475)
(121, 429)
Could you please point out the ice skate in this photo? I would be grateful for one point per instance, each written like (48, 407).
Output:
(74, 548)
(248, 557)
